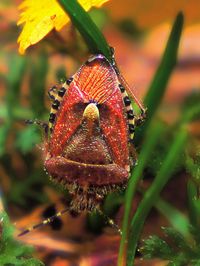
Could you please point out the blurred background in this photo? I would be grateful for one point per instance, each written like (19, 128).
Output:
(138, 30)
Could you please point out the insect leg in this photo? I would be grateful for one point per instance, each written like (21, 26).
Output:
(110, 222)
(45, 222)
(141, 118)
(39, 123)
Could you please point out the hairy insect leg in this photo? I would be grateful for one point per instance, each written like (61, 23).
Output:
(44, 222)
(139, 119)
(39, 123)
(110, 222)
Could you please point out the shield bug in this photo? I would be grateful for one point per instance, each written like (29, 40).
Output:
(91, 127)
(88, 146)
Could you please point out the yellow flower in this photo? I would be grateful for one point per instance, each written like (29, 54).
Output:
(41, 16)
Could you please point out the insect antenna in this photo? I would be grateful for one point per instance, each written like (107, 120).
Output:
(44, 222)
(125, 83)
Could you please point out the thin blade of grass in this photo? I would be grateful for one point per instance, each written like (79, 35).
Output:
(19, 113)
(87, 28)
(14, 78)
(158, 85)
(191, 114)
(153, 192)
(39, 69)
(144, 156)
(192, 197)
(176, 218)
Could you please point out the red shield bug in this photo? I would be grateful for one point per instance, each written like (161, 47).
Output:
(88, 146)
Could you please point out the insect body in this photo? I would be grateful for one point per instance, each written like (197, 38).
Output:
(91, 124)
(88, 141)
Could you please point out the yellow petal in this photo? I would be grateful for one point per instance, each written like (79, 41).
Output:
(41, 16)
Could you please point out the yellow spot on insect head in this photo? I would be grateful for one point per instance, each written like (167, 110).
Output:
(41, 16)
(91, 112)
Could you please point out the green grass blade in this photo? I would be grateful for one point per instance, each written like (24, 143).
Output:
(158, 85)
(17, 69)
(144, 156)
(192, 197)
(176, 218)
(153, 192)
(39, 69)
(13, 252)
(167, 64)
(14, 78)
(193, 113)
(87, 28)
(19, 112)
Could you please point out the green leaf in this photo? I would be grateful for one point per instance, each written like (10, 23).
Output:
(154, 132)
(177, 219)
(27, 139)
(190, 103)
(155, 247)
(191, 114)
(192, 197)
(178, 240)
(17, 68)
(21, 191)
(3, 137)
(192, 166)
(89, 31)
(195, 262)
(179, 250)
(39, 69)
(158, 85)
(19, 112)
(153, 192)
(13, 252)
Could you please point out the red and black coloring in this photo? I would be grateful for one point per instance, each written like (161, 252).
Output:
(88, 143)
(91, 127)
